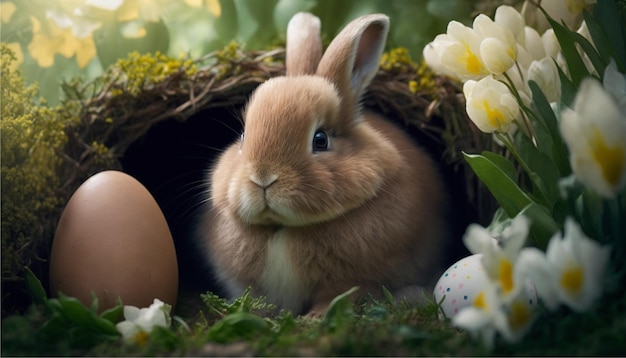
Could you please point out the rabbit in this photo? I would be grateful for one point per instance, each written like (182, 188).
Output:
(318, 196)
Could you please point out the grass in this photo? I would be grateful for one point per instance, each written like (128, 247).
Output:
(209, 326)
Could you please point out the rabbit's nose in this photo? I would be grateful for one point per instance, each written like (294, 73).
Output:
(263, 181)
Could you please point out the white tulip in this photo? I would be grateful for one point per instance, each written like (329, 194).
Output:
(550, 43)
(595, 133)
(615, 83)
(546, 74)
(533, 44)
(498, 48)
(490, 105)
(510, 18)
(459, 52)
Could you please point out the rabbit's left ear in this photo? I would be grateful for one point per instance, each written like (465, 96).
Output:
(352, 58)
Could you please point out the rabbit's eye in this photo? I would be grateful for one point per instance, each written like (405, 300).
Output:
(320, 141)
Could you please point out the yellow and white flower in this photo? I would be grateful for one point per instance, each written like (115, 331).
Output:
(595, 133)
(498, 48)
(490, 105)
(457, 53)
(577, 266)
(139, 323)
(499, 257)
(570, 272)
(483, 317)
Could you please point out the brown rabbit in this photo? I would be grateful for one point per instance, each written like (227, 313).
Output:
(317, 197)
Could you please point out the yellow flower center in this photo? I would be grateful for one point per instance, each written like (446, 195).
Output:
(505, 275)
(572, 279)
(609, 159)
(519, 315)
(494, 116)
(480, 301)
(575, 6)
(472, 63)
(141, 338)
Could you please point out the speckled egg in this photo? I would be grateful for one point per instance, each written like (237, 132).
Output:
(463, 281)
(113, 240)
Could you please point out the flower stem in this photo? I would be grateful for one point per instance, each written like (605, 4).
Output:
(536, 180)
(524, 109)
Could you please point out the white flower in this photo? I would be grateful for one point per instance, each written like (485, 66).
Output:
(432, 56)
(577, 266)
(595, 133)
(510, 18)
(490, 105)
(519, 315)
(568, 11)
(570, 272)
(534, 44)
(458, 51)
(488, 314)
(615, 83)
(498, 48)
(140, 322)
(499, 258)
(546, 74)
(483, 317)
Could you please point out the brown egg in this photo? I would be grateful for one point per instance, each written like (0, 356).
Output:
(113, 240)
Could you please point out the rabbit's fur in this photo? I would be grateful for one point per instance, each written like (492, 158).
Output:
(302, 223)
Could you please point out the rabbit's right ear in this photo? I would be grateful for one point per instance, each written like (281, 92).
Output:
(304, 44)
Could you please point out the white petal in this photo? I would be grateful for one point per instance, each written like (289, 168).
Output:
(509, 17)
(515, 235)
(533, 44)
(477, 239)
(131, 313)
(127, 329)
(550, 43)
(615, 83)
(533, 265)
(471, 319)
(496, 55)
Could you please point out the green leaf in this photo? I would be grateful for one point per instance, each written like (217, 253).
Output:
(568, 89)
(545, 175)
(549, 121)
(575, 64)
(340, 310)
(612, 19)
(114, 314)
(236, 326)
(501, 162)
(35, 287)
(598, 62)
(502, 187)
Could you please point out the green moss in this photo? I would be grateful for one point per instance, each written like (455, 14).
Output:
(138, 71)
(32, 136)
(420, 77)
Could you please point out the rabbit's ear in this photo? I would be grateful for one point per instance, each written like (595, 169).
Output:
(304, 44)
(352, 58)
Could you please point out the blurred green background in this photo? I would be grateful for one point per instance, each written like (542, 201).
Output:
(56, 40)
